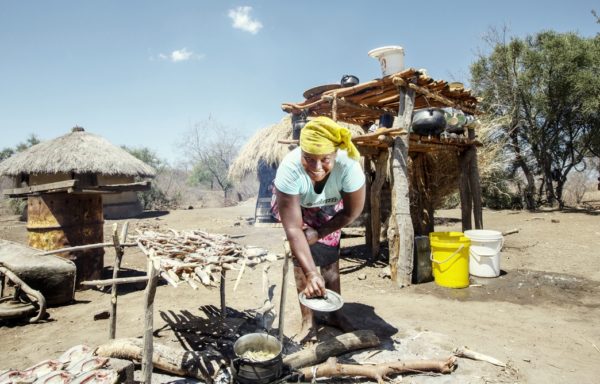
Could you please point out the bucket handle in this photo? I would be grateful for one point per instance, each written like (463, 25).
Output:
(449, 257)
(501, 245)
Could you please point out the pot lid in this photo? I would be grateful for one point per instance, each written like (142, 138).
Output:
(331, 302)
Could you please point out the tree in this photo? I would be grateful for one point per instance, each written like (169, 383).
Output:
(29, 142)
(212, 147)
(158, 197)
(548, 87)
(148, 156)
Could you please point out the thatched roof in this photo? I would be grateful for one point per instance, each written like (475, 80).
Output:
(264, 146)
(79, 152)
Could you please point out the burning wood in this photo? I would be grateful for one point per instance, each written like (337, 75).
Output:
(196, 256)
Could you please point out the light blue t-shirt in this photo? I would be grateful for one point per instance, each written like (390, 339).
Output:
(346, 176)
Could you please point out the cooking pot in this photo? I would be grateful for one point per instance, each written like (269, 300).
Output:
(428, 121)
(246, 371)
(349, 81)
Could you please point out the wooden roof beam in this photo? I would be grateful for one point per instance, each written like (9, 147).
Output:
(398, 81)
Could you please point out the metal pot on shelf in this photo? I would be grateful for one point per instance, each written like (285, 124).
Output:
(349, 81)
(428, 121)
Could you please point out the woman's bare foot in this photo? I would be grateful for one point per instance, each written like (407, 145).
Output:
(307, 333)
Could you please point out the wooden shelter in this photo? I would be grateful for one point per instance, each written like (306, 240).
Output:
(403, 156)
(65, 180)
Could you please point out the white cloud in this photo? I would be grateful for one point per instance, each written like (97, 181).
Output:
(180, 55)
(242, 20)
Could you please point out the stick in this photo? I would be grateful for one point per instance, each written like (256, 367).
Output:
(113, 290)
(83, 248)
(333, 347)
(466, 352)
(41, 300)
(119, 281)
(239, 276)
(378, 372)
(222, 292)
(510, 232)
(287, 255)
(149, 323)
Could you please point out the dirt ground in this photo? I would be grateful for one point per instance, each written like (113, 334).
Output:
(541, 316)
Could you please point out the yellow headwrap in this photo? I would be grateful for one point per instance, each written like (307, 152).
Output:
(322, 135)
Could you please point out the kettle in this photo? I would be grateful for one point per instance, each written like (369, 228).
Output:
(349, 81)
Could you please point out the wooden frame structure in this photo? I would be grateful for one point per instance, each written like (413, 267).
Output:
(388, 153)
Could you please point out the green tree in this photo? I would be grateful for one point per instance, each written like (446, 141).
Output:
(29, 142)
(548, 88)
(148, 156)
(156, 197)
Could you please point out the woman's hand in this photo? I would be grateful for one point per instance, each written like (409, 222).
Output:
(311, 235)
(315, 285)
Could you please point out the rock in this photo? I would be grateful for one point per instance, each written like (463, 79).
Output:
(52, 275)
(385, 272)
(362, 276)
(102, 315)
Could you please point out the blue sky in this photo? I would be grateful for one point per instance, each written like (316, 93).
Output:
(142, 73)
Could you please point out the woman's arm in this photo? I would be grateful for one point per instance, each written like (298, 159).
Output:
(291, 218)
(354, 203)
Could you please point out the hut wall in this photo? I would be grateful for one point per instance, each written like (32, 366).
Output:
(266, 176)
(44, 178)
(115, 205)
(120, 205)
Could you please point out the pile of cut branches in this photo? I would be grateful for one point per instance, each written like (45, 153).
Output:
(195, 256)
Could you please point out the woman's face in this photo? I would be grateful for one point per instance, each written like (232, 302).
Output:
(317, 166)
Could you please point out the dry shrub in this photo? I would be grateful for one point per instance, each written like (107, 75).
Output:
(444, 171)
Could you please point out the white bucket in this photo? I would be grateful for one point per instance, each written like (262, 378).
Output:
(391, 58)
(484, 254)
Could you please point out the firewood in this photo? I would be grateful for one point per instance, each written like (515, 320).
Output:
(333, 347)
(202, 365)
(379, 372)
(466, 352)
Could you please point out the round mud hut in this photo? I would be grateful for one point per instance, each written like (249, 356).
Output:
(66, 181)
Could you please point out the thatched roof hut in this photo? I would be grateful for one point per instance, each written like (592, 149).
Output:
(87, 158)
(76, 152)
(263, 148)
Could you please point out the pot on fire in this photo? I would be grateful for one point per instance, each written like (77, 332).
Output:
(258, 359)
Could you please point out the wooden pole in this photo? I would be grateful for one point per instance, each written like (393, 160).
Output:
(118, 281)
(222, 292)
(84, 247)
(400, 230)
(367, 209)
(117, 265)
(149, 323)
(287, 254)
(475, 184)
(375, 198)
(464, 189)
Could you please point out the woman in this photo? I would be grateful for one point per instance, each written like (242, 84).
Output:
(318, 191)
